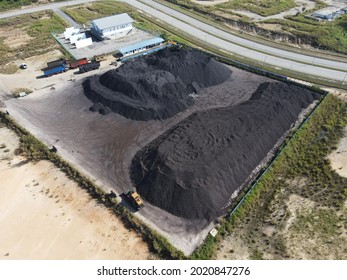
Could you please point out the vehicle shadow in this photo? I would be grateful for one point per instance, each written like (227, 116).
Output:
(125, 202)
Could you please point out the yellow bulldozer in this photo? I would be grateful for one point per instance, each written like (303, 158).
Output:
(135, 199)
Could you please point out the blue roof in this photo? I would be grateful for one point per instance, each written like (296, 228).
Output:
(142, 44)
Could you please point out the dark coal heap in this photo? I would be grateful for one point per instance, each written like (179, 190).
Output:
(193, 169)
(156, 86)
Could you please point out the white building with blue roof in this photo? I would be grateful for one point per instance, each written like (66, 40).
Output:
(112, 27)
(141, 46)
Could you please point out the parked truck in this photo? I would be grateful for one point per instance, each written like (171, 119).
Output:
(57, 62)
(79, 62)
(49, 71)
(100, 57)
(89, 67)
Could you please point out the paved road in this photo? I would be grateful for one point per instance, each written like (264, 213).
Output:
(68, 19)
(204, 32)
(312, 66)
(244, 42)
(52, 6)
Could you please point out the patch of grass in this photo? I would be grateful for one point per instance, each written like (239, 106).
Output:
(330, 36)
(5, 52)
(16, 91)
(322, 223)
(38, 26)
(9, 69)
(13, 4)
(260, 7)
(85, 13)
(256, 255)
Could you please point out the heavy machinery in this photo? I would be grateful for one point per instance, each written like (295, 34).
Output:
(100, 57)
(89, 67)
(77, 63)
(49, 71)
(135, 199)
(58, 62)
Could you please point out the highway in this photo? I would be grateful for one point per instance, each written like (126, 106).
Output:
(282, 59)
(241, 41)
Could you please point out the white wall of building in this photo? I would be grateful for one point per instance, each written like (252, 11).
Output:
(70, 31)
(76, 37)
(83, 43)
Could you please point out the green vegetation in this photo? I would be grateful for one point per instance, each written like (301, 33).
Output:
(13, 4)
(39, 27)
(260, 7)
(35, 150)
(10, 68)
(85, 13)
(323, 223)
(303, 158)
(330, 36)
(16, 91)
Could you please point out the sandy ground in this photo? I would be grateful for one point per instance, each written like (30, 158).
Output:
(338, 158)
(31, 78)
(44, 215)
(14, 38)
(61, 117)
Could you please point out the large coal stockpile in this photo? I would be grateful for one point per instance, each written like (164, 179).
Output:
(193, 169)
(156, 86)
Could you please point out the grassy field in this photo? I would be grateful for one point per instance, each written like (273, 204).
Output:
(260, 7)
(297, 208)
(330, 36)
(13, 4)
(36, 32)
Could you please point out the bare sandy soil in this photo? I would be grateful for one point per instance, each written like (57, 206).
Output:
(103, 146)
(296, 229)
(31, 78)
(338, 158)
(44, 215)
(14, 38)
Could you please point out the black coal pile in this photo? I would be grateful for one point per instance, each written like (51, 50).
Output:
(156, 86)
(193, 169)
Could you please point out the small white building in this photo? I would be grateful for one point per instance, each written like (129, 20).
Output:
(70, 32)
(113, 26)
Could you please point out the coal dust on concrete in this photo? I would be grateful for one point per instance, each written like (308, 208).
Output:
(156, 86)
(193, 169)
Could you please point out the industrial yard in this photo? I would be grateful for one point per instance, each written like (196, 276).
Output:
(53, 214)
(103, 146)
(176, 136)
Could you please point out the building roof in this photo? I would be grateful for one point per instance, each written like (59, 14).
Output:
(142, 44)
(111, 21)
